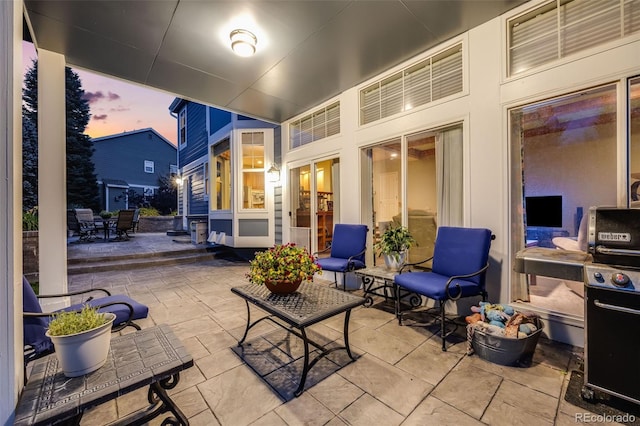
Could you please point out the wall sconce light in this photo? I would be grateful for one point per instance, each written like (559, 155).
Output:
(178, 180)
(273, 173)
(243, 42)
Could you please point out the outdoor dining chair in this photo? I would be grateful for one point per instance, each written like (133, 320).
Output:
(347, 251)
(124, 224)
(35, 321)
(460, 261)
(86, 224)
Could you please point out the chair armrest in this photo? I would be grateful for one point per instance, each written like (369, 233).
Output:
(350, 259)
(322, 251)
(415, 264)
(455, 277)
(115, 328)
(74, 293)
(86, 224)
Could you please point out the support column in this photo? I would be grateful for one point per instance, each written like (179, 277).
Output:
(52, 194)
(10, 207)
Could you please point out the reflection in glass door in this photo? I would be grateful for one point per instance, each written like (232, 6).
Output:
(314, 204)
(416, 181)
(386, 175)
(564, 159)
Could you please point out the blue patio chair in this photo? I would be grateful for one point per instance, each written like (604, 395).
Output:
(348, 248)
(460, 261)
(35, 322)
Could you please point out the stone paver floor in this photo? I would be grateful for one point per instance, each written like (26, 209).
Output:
(401, 375)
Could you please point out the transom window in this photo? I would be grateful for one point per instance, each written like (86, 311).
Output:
(564, 27)
(434, 78)
(320, 124)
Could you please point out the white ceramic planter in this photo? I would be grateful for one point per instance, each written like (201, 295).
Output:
(394, 261)
(84, 352)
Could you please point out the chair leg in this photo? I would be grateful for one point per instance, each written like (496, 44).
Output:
(442, 328)
(396, 290)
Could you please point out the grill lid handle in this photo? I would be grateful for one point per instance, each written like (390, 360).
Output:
(619, 251)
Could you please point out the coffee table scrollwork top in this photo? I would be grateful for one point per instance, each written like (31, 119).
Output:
(153, 357)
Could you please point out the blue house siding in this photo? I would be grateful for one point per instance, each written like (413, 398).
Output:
(120, 161)
(218, 119)
(197, 137)
(197, 203)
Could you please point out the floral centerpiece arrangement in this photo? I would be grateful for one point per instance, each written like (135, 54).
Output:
(281, 266)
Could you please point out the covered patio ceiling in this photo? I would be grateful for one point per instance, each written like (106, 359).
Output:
(307, 51)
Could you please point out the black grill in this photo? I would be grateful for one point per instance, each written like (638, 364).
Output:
(612, 304)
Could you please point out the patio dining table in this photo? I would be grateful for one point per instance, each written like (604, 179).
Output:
(106, 225)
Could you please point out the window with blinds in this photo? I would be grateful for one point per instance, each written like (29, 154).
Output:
(434, 78)
(320, 124)
(564, 27)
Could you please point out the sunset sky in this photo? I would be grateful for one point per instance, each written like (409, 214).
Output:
(116, 106)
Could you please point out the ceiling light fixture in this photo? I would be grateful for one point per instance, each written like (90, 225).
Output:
(243, 42)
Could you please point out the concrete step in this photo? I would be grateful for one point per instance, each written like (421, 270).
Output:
(137, 261)
(140, 255)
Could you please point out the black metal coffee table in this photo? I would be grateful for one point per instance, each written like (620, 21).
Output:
(151, 357)
(311, 304)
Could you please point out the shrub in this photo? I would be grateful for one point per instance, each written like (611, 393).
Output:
(30, 219)
(149, 211)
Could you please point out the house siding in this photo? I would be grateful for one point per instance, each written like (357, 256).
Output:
(198, 204)
(197, 138)
(121, 157)
(218, 119)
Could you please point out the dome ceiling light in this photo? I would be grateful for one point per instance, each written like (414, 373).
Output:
(243, 42)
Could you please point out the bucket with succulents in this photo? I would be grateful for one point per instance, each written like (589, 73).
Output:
(81, 339)
(393, 246)
(283, 268)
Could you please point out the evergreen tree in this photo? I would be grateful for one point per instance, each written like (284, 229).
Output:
(82, 188)
(29, 162)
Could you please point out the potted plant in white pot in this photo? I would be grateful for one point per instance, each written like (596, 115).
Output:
(393, 245)
(81, 339)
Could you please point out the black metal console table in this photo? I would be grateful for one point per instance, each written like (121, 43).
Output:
(311, 304)
(153, 357)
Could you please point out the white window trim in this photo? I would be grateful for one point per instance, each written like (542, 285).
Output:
(149, 164)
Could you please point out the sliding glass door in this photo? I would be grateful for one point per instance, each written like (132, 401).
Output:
(314, 203)
(416, 181)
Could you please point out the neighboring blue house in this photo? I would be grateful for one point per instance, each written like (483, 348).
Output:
(130, 164)
(223, 160)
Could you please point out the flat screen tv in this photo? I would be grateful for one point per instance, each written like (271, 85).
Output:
(545, 211)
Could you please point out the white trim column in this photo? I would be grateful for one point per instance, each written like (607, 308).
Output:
(10, 207)
(52, 194)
